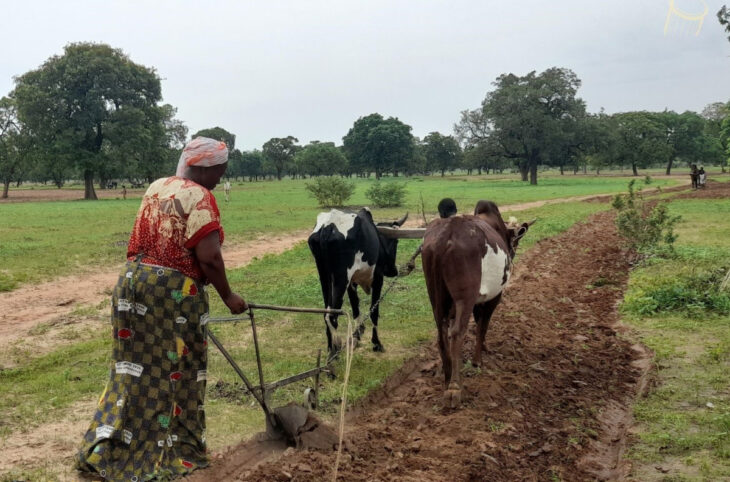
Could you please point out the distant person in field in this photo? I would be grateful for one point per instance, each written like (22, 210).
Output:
(694, 175)
(701, 177)
(150, 422)
(124, 192)
(227, 189)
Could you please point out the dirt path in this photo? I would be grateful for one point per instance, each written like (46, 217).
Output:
(52, 302)
(552, 401)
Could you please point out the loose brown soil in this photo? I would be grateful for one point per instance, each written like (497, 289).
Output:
(552, 400)
(712, 190)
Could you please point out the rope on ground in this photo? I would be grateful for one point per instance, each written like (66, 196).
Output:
(349, 350)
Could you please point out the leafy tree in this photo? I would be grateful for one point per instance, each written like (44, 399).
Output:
(443, 153)
(253, 164)
(86, 102)
(723, 16)
(684, 137)
(219, 134)
(320, 159)
(641, 140)
(715, 115)
(10, 158)
(534, 119)
(380, 145)
(280, 152)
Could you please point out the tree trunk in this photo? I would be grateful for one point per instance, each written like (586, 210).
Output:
(6, 188)
(561, 169)
(633, 168)
(585, 168)
(89, 192)
(669, 166)
(523, 170)
(533, 173)
(278, 174)
(442, 172)
(479, 170)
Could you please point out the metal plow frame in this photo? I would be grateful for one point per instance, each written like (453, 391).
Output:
(262, 392)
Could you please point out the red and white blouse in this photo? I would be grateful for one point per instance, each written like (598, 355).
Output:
(175, 214)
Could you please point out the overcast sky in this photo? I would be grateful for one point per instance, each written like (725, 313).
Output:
(310, 68)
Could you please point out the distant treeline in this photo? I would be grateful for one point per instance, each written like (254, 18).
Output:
(95, 115)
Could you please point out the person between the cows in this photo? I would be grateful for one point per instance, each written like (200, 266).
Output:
(149, 422)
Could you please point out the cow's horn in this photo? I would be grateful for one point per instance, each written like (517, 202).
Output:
(395, 233)
(530, 223)
(402, 220)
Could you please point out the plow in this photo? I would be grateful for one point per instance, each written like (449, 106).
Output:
(292, 422)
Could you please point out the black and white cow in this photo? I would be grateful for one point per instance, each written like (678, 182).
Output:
(350, 252)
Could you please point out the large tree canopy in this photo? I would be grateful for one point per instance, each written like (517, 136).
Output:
(380, 145)
(320, 159)
(534, 119)
(280, 152)
(442, 153)
(92, 105)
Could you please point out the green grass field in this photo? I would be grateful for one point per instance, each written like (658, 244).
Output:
(678, 313)
(39, 240)
(77, 371)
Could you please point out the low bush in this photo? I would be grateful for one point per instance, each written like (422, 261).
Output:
(386, 194)
(330, 191)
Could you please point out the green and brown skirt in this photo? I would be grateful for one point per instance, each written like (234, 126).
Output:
(150, 421)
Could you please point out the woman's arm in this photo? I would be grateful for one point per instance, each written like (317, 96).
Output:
(208, 253)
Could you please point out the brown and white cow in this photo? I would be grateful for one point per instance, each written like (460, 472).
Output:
(467, 262)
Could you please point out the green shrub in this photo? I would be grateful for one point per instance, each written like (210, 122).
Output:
(693, 295)
(330, 191)
(645, 228)
(386, 195)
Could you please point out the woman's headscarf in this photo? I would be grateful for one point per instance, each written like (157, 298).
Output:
(204, 152)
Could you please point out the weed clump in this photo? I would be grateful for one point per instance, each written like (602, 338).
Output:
(330, 191)
(386, 195)
(646, 227)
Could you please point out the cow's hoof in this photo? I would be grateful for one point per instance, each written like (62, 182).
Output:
(452, 398)
(379, 348)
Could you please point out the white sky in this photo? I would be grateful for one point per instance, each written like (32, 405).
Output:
(310, 68)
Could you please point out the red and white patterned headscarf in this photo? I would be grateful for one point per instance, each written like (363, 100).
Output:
(204, 152)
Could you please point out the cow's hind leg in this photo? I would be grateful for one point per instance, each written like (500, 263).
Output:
(456, 332)
(482, 314)
(359, 327)
(375, 311)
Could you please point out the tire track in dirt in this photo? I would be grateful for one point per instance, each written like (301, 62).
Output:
(551, 401)
(54, 301)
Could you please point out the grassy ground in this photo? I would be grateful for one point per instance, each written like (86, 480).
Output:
(48, 239)
(675, 306)
(48, 387)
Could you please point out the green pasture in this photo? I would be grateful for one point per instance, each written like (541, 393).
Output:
(39, 240)
(675, 305)
(47, 387)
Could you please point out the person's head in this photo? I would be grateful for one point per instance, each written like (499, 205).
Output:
(203, 161)
(446, 208)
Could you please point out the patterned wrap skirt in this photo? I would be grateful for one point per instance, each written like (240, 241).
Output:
(150, 421)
